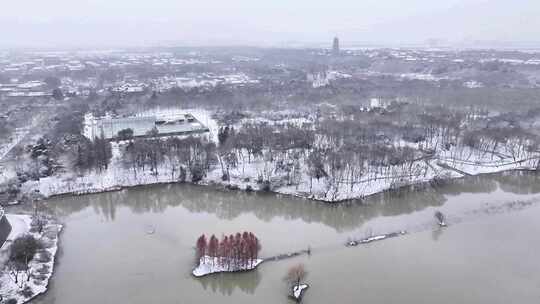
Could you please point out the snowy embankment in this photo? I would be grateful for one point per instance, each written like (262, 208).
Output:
(335, 191)
(246, 175)
(482, 166)
(208, 265)
(34, 281)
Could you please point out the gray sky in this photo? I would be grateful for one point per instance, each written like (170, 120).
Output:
(113, 23)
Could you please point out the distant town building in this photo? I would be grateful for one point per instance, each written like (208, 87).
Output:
(335, 46)
(129, 88)
(375, 102)
(26, 89)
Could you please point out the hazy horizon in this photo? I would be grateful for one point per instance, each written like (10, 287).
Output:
(101, 23)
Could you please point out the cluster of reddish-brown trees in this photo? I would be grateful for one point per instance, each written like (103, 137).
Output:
(236, 250)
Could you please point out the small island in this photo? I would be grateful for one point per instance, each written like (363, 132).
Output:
(239, 252)
(374, 238)
(295, 275)
(441, 220)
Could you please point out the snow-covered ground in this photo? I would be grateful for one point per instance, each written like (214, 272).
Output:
(208, 265)
(246, 175)
(40, 268)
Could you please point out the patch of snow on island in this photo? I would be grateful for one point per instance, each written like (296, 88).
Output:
(298, 289)
(208, 265)
(373, 238)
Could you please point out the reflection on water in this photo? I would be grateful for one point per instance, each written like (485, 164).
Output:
(520, 182)
(226, 283)
(342, 217)
(436, 233)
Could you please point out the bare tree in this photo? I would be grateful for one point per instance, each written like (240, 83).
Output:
(296, 274)
(201, 246)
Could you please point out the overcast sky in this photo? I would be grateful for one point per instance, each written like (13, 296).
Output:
(114, 23)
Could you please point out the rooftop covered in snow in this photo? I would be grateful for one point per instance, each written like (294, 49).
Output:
(166, 125)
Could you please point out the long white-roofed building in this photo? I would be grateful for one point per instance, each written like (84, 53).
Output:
(143, 126)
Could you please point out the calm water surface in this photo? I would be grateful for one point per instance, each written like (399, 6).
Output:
(488, 254)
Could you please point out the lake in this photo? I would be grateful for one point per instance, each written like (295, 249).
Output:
(488, 254)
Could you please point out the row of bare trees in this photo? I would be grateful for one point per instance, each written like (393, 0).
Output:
(184, 158)
(513, 142)
(233, 251)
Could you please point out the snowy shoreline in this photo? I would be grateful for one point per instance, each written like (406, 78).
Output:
(41, 266)
(209, 265)
(222, 186)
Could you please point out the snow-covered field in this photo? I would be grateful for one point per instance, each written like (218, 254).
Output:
(40, 268)
(208, 265)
